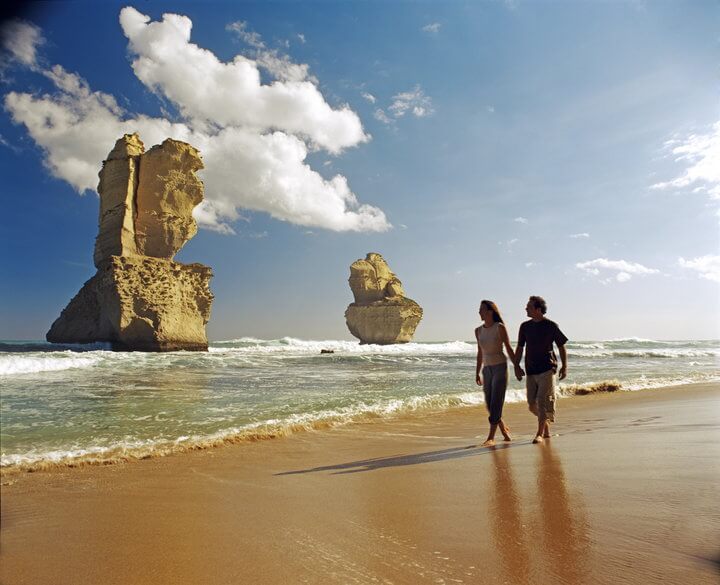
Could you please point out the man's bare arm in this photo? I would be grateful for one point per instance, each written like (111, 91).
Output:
(563, 360)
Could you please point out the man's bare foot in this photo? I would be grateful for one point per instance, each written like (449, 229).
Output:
(506, 435)
(546, 435)
(538, 439)
(489, 443)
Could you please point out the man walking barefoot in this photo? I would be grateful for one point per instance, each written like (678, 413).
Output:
(539, 334)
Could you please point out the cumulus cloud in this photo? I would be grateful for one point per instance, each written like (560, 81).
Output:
(622, 269)
(580, 235)
(379, 114)
(20, 41)
(433, 28)
(706, 266)
(254, 138)
(700, 153)
(520, 220)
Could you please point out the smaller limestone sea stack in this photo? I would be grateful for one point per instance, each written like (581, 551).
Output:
(140, 299)
(381, 312)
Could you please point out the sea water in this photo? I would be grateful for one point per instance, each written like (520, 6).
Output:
(66, 405)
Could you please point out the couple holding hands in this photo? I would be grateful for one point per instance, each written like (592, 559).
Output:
(535, 339)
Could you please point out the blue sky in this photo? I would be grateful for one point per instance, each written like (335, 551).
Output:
(486, 149)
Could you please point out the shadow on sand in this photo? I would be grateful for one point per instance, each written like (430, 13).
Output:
(402, 460)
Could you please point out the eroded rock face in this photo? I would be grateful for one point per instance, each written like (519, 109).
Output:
(140, 299)
(140, 303)
(381, 313)
(147, 199)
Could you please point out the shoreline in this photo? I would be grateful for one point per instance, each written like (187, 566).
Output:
(430, 405)
(624, 493)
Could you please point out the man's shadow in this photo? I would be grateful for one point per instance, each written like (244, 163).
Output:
(403, 460)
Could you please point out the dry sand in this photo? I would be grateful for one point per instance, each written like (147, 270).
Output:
(626, 493)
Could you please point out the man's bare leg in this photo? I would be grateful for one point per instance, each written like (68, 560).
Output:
(541, 429)
(546, 430)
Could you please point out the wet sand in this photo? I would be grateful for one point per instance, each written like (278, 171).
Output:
(625, 493)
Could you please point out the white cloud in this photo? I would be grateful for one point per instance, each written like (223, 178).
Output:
(530, 264)
(369, 97)
(433, 28)
(20, 40)
(379, 114)
(271, 60)
(520, 220)
(700, 153)
(706, 266)
(414, 101)
(254, 138)
(301, 38)
(580, 235)
(623, 269)
(490, 109)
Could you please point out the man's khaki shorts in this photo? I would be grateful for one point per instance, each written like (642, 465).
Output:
(541, 394)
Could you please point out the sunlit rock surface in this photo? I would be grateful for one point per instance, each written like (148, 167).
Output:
(381, 312)
(140, 299)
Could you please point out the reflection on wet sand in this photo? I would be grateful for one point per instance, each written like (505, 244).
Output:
(552, 544)
(565, 542)
(508, 529)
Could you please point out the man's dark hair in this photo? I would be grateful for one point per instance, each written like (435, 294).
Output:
(539, 303)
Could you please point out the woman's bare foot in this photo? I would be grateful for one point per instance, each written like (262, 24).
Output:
(507, 437)
(489, 443)
(538, 439)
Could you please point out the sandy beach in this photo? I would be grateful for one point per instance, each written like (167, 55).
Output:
(626, 492)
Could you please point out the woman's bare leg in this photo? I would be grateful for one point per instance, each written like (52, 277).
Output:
(490, 441)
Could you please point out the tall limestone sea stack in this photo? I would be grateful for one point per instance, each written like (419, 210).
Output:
(139, 299)
(381, 312)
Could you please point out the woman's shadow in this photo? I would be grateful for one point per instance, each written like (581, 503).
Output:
(403, 460)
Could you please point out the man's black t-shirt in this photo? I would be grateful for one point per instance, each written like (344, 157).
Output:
(539, 337)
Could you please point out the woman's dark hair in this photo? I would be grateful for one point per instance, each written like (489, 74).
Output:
(539, 303)
(490, 306)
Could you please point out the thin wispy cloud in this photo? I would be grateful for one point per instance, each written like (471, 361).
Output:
(369, 97)
(301, 38)
(700, 154)
(432, 28)
(379, 114)
(254, 137)
(522, 220)
(580, 235)
(278, 64)
(618, 270)
(707, 267)
(414, 102)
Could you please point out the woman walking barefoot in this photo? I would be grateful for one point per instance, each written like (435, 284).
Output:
(491, 369)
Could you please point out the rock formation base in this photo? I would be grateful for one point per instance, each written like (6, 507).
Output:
(384, 322)
(140, 303)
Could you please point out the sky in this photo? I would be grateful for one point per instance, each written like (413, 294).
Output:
(488, 150)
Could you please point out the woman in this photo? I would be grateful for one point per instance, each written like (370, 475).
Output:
(491, 370)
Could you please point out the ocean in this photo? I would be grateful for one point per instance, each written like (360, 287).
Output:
(70, 405)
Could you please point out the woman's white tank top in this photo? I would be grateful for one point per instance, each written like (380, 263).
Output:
(491, 344)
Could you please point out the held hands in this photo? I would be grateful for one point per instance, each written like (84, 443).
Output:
(519, 372)
(563, 372)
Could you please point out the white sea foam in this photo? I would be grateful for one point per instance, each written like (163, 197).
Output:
(301, 346)
(13, 364)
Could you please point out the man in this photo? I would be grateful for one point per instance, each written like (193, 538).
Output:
(539, 334)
